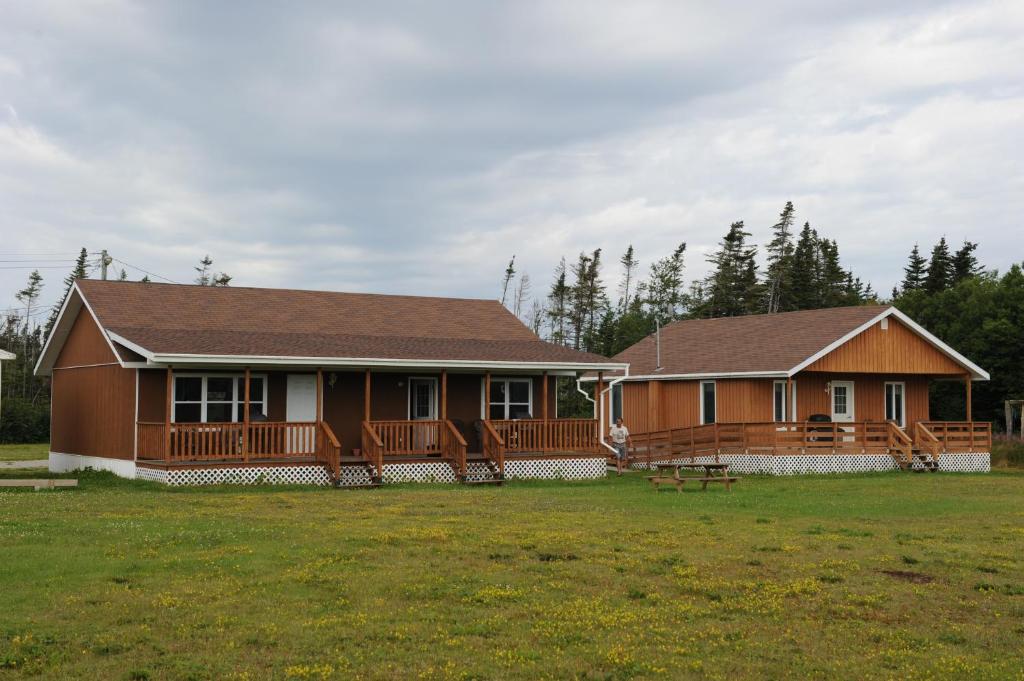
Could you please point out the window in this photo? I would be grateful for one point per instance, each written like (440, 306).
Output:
(707, 402)
(895, 403)
(616, 402)
(780, 401)
(510, 398)
(217, 398)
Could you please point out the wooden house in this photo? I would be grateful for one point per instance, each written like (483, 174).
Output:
(193, 384)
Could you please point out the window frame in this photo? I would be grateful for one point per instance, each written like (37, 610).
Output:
(902, 422)
(435, 400)
(507, 380)
(714, 392)
(237, 395)
(775, 402)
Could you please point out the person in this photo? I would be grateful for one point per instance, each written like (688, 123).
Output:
(620, 442)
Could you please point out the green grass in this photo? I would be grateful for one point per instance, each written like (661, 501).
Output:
(24, 452)
(1007, 453)
(886, 576)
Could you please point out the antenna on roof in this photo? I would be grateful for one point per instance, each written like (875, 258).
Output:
(657, 344)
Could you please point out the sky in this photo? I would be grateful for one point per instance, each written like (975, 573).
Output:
(414, 147)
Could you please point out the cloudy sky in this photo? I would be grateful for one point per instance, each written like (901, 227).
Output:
(414, 147)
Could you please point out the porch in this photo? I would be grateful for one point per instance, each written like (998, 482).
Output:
(918, 446)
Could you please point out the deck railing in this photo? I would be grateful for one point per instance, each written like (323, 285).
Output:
(551, 435)
(805, 437)
(410, 438)
(232, 442)
(962, 436)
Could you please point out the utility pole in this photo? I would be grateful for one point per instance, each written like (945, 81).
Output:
(105, 260)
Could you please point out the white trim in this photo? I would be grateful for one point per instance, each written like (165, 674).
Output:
(851, 404)
(57, 325)
(508, 393)
(60, 462)
(794, 412)
(714, 417)
(408, 397)
(134, 347)
(6, 355)
(87, 366)
(902, 423)
(785, 400)
(683, 377)
(135, 424)
(978, 372)
(235, 399)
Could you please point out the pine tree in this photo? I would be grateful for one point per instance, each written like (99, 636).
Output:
(510, 272)
(915, 271)
(805, 277)
(965, 264)
(940, 269)
(629, 267)
(733, 287)
(558, 305)
(209, 278)
(665, 287)
(79, 271)
(834, 283)
(780, 262)
(28, 297)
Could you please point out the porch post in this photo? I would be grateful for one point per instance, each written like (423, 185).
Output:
(487, 395)
(597, 407)
(245, 418)
(444, 394)
(318, 438)
(167, 415)
(787, 401)
(968, 382)
(544, 396)
(366, 398)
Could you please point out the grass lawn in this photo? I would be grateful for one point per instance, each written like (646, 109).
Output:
(24, 452)
(886, 576)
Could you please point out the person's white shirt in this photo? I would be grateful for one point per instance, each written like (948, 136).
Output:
(619, 434)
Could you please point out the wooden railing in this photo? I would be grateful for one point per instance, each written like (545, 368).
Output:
(454, 448)
(151, 440)
(410, 438)
(962, 436)
(901, 446)
(493, 446)
(552, 435)
(330, 451)
(925, 441)
(373, 449)
(269, 439)
(230, 442)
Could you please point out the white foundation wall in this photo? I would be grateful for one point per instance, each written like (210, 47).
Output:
(65, 463)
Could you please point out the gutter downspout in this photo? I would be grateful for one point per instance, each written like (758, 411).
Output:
(600, 405)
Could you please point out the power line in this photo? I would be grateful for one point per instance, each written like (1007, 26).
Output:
(34, 267)
(152, 274)
(44, 260)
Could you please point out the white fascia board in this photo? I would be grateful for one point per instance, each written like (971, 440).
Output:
(134, 347)
(370, 362)
(977, 372)
(688, 377)
(61, 328)
(6, 355)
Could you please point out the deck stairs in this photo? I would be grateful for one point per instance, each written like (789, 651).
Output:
(481, 471)
(357, 473)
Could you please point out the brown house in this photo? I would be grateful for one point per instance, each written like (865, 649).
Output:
(187, 384)
(850, 380)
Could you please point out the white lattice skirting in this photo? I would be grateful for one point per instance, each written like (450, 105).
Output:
(584, 468)
(242, 475)
(432, 471)
(796, 464)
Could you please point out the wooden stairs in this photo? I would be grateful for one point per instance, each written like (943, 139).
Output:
(371, 474)
(480, 471)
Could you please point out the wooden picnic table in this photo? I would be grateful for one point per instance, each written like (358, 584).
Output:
(713, 472)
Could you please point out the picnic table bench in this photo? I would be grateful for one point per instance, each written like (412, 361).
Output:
(40, 483)
(712, 472)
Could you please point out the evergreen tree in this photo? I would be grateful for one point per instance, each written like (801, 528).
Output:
(28, 297)
(940, 269)
(804, 282)
(510, 272)
(834, 283)
(665, 295)
(207, 277)
(732, 286)
(915, 271)
(780, 262)
(79, 271)
(629, 267)
(558, 305)
(965, 264)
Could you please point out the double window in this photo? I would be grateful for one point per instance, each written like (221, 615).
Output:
(216, 398)
(895, 403)
(707, 402)
(510, 398)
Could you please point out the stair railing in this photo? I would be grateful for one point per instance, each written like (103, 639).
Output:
(900, 444)
(330, 451)
(453, 447)
(925, 440)
(373, 449)
(493, 446)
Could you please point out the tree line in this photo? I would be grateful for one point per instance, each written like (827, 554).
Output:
(798, 269)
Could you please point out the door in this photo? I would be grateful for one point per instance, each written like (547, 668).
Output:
(842, 401)
(423, 407)
(301, 406)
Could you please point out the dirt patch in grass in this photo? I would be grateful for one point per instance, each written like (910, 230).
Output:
(909, 576)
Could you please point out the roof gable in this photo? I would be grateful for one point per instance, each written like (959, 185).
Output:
(85, 344)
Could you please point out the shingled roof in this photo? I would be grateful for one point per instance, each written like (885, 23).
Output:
(767, 344)
(160, 321)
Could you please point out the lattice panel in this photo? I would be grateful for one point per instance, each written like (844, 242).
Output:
(418, 472)
(354, 475)
(551, 469)
(966, 462)
(151, 474)
(271, 475)
(766, 464)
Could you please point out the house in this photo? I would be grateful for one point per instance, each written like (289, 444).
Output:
(757, 387)
(193, 384)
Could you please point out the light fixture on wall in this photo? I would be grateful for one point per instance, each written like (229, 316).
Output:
(332, 379)
(828, 387)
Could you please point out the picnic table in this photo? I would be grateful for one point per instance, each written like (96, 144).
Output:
(668, 474)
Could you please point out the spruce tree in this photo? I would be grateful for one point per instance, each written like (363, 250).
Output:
(965, 264)
(804, 281)
(629, 264)
(79, 271)
(732, 286)
(665, 295)
(834, 283)
(207, 277)
(915, 271)
(940, 269)
(510, 272)
(558, 305)
(780, 262)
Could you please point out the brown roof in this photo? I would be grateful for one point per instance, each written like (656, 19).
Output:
(755, 343)
(179, 319)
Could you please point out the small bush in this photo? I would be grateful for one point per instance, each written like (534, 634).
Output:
(1007, 453)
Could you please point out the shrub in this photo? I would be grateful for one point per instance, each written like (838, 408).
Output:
(1007, 452)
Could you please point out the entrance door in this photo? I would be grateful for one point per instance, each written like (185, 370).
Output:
(842, 401)
(301, 406)
(422, 399)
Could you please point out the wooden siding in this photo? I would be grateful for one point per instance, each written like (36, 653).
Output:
(895, 350)
(93, 412)
(868, 395)
(85, 344)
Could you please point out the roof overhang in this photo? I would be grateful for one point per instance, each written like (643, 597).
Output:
(73, 304)
(6, 355)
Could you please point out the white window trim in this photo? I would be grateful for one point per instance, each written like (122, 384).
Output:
(235, 401)
(903, 401)
(785, 407)
(485, 407)
(794, 412)
(714, 417)
(850, 399)
(408, 396)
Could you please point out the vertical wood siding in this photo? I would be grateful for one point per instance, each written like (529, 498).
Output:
(85, 344)
(868, 395)
(895, 350)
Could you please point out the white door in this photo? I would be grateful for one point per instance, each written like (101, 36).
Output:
(301, 406)
(423, 399)
(842, 401)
